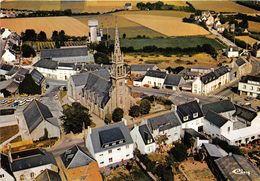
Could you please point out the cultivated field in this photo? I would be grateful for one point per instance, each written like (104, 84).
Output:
(169, 26)
(222, 6)
(76, 6)
(254, 26)
(130, 28)
(48, 24)
(179, 14)
(182, 42)
(248, 39)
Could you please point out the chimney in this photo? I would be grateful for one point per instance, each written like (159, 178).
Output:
(89, 129)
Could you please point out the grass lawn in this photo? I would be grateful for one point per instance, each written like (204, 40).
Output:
(7, 132)
(182, 42)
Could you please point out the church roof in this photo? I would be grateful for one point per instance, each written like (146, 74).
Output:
(64, 52)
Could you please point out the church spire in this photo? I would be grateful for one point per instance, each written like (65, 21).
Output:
(117, 50)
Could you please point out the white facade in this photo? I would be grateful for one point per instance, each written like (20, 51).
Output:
(31, 173)
(193, 124)
(153, 81)
(234, 136)
(251, 88)
(139, 143)
(198, 87)
(59, 74)
(5, 176)
(6, 33)
(232, 52)
(9, 56)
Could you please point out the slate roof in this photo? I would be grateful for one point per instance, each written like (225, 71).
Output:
(64, 52)
(12, 71)
(142, 67)
(31, 158)
(172, 79)
(35, 113)
(244, 113)
(4, 84)
(156, 73)
(219, 106)
(195, 134)
(188, 110)
(48, 175)
(247, 78)
(214, 151)
(240, 62)
(75, 157)
(37, 76)
(46, 63)
(207, 78)
(216, 119)
(5, 163)
(163, 122)
(112, 134)
(80, 79)
(146, 134)
(6, 67)
(229, 164)
(100, 84)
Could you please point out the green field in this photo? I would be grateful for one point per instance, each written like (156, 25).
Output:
(182, 42)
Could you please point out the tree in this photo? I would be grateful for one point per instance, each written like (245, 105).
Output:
(29, 35)
(55, 36)
(243, 23)
(28, 51)
(57, 43)
(117, 114)
(62, 36)
(101, 58)
(42, 36)
(73, 118)
(67, 12)
(134, 111)
(28, 86)
(145, 106)
(179, 152)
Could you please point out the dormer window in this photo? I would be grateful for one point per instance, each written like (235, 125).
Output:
(185, 118)
(195, 115)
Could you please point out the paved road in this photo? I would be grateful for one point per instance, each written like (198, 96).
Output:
(222, 39)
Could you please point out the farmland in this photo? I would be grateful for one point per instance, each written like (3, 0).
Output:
(254, 26)
(182, 42)
(70, 25)
(222, 6)
(50, 44)
(131, 29)
(247, 39)
(169, 26)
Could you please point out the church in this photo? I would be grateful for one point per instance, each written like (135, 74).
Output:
(103, 89)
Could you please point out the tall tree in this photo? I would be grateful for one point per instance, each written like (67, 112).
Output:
(28, 86)
(179, 152)
(28, 51)
(29, 35)
(42, 36)
(145, 106)
(117, 114)
(55, 36)
(134, 111)
(73, 118)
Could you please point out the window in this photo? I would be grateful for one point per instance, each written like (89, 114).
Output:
(258, 88)
(109, 151)
(185, 118)
(101, 155)
(22, 177)
(101, 162)
(228, 129)
(127, 155)
(127, 146)
(118, 149)
(2, 176)
(253, 137)
(110, 160)
(195, 115)
(120, 83)
(251, 88)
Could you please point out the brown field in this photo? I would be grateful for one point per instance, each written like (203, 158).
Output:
(78, 6)
(47, 24)
(179, 14)
(130, 28)
(248, 39)
(254, 26)
(203, 60)
(222, 6)
(169, 26)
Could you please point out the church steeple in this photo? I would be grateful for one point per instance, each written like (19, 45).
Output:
(118, 68)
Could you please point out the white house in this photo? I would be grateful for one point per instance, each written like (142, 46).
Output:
(219, 27)
(239, 128)
(167, 124)
(143, 139)
(40, 121)
(190, 115)
(9, 56)
(5, 33)
(250, 85)
(5, 169)
(154, 78)
(173, 82)
(110, 144)
(232, 52)
(212, 81)
(28, 164)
